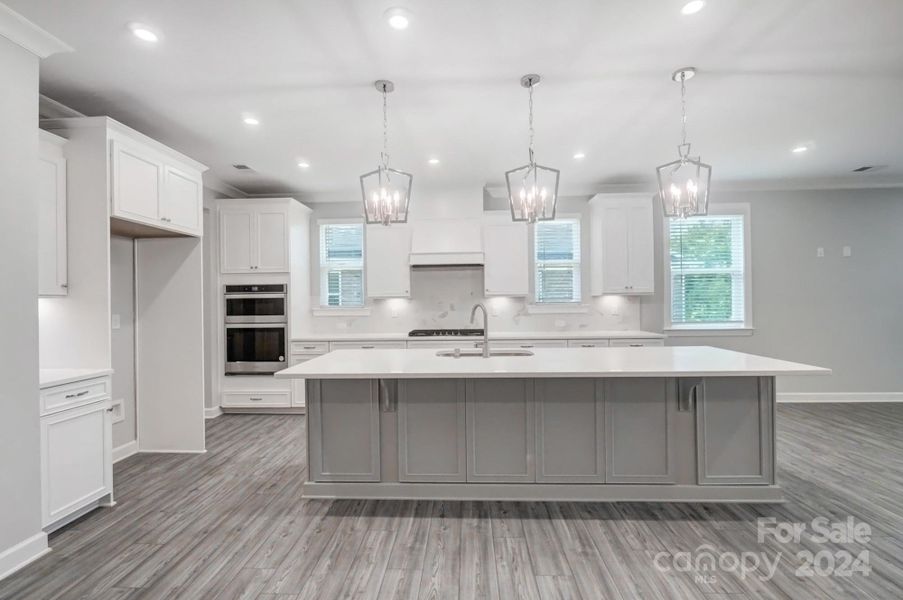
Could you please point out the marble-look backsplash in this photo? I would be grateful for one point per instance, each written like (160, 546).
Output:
(443, 298)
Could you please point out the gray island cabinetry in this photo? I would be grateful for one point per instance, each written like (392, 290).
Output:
(657, 424)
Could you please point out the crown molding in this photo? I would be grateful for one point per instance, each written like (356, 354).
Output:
(23, 32)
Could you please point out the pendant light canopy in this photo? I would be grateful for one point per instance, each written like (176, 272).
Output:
(532, 188)
(683, 184)
(386, 192)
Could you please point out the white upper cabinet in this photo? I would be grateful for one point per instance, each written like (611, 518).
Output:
(254, 239)
(622, 245)
(52, 253)
(152, 189)
(506, 270)
(387, 261)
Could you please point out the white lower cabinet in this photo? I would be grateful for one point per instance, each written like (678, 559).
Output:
(76, 459)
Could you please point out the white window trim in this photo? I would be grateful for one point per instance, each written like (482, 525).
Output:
(558, 308)
(713, 329)
(321, 310)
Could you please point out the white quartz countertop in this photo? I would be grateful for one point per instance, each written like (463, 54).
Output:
(51, 377)
(680, 361)
(493, 335)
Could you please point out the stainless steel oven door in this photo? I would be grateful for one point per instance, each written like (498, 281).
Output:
(255, 348)
(256, 308)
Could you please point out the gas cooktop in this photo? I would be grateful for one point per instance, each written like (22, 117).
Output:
(444, 332)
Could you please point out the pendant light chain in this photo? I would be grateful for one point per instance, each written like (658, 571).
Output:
(683, 107)
(530, 93)
(385, 153)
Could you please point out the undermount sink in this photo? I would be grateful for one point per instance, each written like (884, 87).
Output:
(477, 353)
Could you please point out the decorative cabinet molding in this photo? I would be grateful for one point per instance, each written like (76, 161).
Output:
(622, 245)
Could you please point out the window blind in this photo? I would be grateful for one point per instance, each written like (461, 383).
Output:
(707, 270)
(557, 261)
(342, 264)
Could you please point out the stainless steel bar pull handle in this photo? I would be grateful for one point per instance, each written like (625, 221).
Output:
(388, 395)
(688, 389)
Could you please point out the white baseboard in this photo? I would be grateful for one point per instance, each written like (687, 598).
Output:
(840, 397)
(125, 450)
(23, 553)
(169, 451)
(213, 412)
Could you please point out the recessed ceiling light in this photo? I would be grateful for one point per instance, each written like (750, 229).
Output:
(579, 155)
(250, 120)
(692, 7)
(304, 164)
(398, 18)
(433, 161)
(800, 149)
(144, 33)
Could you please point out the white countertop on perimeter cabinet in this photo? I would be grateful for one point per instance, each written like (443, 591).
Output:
(682, 361)
(493, 335)
(52, 377)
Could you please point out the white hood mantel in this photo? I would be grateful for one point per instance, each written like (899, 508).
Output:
(446, 242)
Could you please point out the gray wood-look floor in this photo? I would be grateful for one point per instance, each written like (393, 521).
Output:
(231, 524)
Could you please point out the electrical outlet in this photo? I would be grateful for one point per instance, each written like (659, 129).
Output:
(847, 251)
(118, 407)
(116, 321)
(820, 252)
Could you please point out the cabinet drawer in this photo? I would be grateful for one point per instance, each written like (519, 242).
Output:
(272, 399)
(444, 344)
(588, 344)
(384, 345)
(310, 347)
(70, 395)
(636, 343)
(525, 343)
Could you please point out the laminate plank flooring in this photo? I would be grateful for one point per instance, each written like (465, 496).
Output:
(231, 525)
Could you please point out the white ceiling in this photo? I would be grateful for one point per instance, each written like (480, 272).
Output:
(772, 74)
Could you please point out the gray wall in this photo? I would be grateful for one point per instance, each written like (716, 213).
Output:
(20, 500)
(841, 313)
(122, 292)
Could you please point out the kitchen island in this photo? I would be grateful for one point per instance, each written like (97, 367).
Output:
(583, 424)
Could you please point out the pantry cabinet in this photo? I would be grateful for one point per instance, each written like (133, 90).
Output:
(52, 225)
(254, 239)
(622, 245)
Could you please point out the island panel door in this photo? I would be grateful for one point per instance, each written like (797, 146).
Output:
(431, 445)
(639, 433)
(500, 435)
(735, 431)
(570, 425)
(343, 430)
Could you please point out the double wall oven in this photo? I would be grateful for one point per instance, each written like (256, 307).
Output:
(256, 328)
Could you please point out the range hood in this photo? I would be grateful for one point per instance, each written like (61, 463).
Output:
(446, 242)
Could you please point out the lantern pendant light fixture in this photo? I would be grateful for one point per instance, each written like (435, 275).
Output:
(683, 185)
(532, 188)
(386, 192)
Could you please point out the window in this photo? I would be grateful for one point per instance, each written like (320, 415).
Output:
(342, 264)
(556, 253)
(708, 270)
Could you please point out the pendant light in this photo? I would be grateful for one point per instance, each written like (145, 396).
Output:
(532, 188)
(683, 185)
(386, 192)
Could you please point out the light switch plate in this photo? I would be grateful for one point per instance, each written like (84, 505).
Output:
(820, 252)
(847, 251)
(116, 321)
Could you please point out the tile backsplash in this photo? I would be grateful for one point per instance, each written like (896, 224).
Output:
(443, 298)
